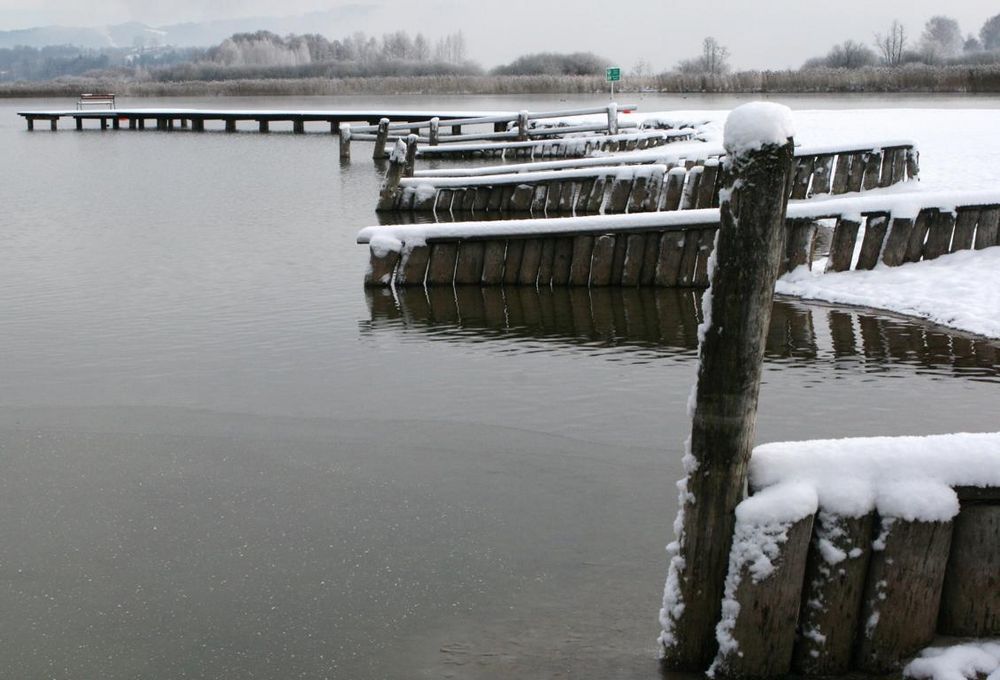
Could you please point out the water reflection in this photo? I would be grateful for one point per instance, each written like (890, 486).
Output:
(632, 323)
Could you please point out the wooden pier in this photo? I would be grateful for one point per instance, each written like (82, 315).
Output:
(195, 120)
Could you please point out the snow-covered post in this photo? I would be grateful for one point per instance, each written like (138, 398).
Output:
(737, 310)
(411, 155)
(612, 118)
(397, 166)
(378, 153)
(435, 127)
(345, 141)
(522, 126)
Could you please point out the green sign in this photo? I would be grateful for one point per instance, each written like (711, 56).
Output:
(614, 73)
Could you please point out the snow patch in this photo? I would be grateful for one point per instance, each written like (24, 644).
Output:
(966, 661)
(754, 125)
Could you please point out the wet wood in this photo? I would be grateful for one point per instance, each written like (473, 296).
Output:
(855, 179)
(748, 255)
(674, 189)
(821, 179)
(840, 174)
(602, 259)
(512, 263)
(769, 609)
(873, 169)
(894, 252)
(595, 202)
(885, 172)
(706, 242)
(441, 270)
(831, 601)
(871, 245)
(413, 266)
(469, 266)
(579, 270)
(845, 236)
(965, 229)
(987, 229)
(531, 256)
(799, 243)
(669, 261)
(915, 248)
(803, 174)
(618, 200)
(494, 254)
(635, 245)
(903, 593)
(618, 259)
(691, 188)
(707, 189)
(939, 232)
(520, 200)
(546, 262)
(689, 260)
(970, 602)
(561, 261)
(381, 266)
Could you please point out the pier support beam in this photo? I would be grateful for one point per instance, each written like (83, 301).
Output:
(230, 125)
(345, 141)
(104, 123)
(161, 123)
(184, 123)
(79, 123)
(263, 126)
(31, 124)
(142, 123)
(116, 124)
(378, 153)
(299, 127)
(738, 305)
(131, 124)
(197, 125)
(53, 124)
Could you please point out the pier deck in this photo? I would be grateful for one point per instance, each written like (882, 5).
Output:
(195, 119)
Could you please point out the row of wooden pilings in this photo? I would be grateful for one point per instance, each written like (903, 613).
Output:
(686, 183)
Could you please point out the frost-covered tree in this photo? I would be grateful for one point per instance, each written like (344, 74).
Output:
(849, 54)
(989, 34)
(892, 44)
(714, 59)
(972, 44)
(421, 48)
(941, 38)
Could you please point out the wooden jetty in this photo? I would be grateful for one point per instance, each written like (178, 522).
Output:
(231, 120)
(671, 249)
(674, 182)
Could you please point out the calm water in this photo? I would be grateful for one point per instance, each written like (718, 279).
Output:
(223, 459)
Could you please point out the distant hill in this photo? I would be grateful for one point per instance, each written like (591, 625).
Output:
(335, 22)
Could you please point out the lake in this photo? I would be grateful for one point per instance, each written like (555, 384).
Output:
(223, 458)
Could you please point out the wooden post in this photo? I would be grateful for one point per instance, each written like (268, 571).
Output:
(378, 153)
(184, 123)
(198, 124)
(53, 124)
(104, 123)
(390, 185)
(381, 267)
(345, 142)
(731, 352)
(845, 235)
(522, 126)
(230, 125)
(894, 251)
(435, 130)
(31, 123)
(263, 126)
(116, 124)
(970, 603)
(298, 127)
(142, 123)
(79, 123)
(411, 155)
(612, 118)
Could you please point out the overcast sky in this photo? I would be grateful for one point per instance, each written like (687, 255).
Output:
(758, 33)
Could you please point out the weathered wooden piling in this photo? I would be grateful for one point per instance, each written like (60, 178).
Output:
(378, 152)
(970, 601)
(345, 141)
(747, 258)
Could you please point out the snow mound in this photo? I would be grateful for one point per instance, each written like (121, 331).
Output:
(753, 125)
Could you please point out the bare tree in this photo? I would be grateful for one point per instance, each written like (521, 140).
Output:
(642, 68)
(989, 34)
(850, 54)
(942, 38)
(714, 59)
(892, 44)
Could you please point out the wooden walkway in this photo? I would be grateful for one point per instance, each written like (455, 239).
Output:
(231, 120)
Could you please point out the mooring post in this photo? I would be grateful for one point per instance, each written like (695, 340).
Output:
(79, 123)
(378, 153)
(435, 128)
(522, 126)
(31, 123)
(411, 155)
(54, 124)
(612, 118)
(345, 141)
(737, 311)
(397, 166)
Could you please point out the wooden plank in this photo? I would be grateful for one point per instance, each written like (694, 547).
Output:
(413, 266)
(441, 270)
(845, 236)
(939, 234)
(980, 494)
(801, 177)
(545, 263)
(769, 609)
(899, 165)
(912, 163)
(635, 245)
(469, 267)
(520, 200)
(381, 265)
(568, 197)
(834, 585)
(512, 262)
(965, 229)
(894, 252)
(798, 244)
(885, 172)
(531, 256)
(621, 188)
(602, 260)
(970, 600)
(649, 256)
(871, 245)
(706, 243)
(618, 259)
(494, 254)
(495, 199)
(480, 197)
(595, 202)
(579, 270)
(691, 188)
(674, 189)
(988, 229)
(707, 187)
(506, 197)
(553, 197)
(640, 191)
(561, 261)
(915, 248)
(540, 198)
(855, 179)
(689, 259)
(583, 196)
(840, 174)
(442, 204)
(902, 593)
(653, 190)
(668, 263)
(873, 169)
(822, 168)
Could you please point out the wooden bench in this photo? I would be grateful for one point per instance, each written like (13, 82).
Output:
(91, 99)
